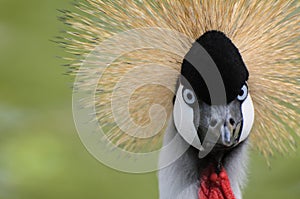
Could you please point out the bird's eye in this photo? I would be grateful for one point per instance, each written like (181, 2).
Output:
(243, 93)
(189, 96)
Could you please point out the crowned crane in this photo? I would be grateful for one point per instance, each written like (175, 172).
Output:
(230, 122)
(219, 50)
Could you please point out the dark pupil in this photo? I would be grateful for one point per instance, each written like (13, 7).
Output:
(189, 96)
(241, 93)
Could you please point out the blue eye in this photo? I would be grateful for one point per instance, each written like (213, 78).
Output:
(189, 96)
(243, 93)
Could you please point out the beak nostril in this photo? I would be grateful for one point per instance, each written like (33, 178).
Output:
(213, 123)
(232, 122)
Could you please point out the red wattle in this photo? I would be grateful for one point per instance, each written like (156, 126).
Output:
(214, 186)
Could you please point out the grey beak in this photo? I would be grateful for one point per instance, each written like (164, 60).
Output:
(226, 135)
(224, 130)
(220, 124)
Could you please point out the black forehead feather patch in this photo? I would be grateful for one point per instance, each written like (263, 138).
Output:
(228, 61)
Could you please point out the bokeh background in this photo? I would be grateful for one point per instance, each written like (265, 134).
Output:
(41, 155)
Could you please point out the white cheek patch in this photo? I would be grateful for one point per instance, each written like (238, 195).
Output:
(183, 120)
(248, 117)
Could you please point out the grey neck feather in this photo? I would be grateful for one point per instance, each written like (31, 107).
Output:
(180, 180)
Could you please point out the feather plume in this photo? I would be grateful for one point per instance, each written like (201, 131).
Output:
(265, 32)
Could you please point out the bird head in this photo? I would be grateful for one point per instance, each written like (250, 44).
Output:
(213, 109)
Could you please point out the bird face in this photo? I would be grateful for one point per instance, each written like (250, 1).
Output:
(202, 123)
(217, 127)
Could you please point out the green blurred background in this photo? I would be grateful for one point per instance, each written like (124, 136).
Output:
(41, 155)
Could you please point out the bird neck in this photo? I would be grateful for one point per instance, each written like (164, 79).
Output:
(215, 184)
(183, 176)
(214, 179)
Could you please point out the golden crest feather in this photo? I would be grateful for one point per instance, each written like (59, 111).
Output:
(265, 32)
